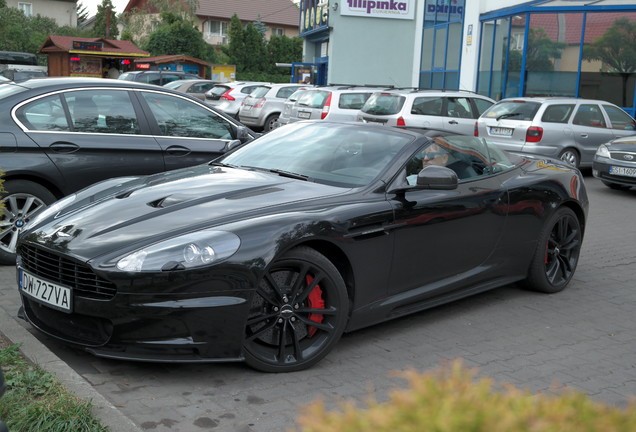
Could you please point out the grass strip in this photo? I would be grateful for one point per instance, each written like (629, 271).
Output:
(36, 401)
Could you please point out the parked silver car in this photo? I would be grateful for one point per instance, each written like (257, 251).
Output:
(196, 88)
(285, 114)
(455, 111)
(228, 97)
(340, 103)
(262, 107)
(567, 128)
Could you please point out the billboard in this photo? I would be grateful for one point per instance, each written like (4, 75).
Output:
(396, 9)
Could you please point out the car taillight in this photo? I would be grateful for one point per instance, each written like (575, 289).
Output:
(227, 95)
(476, 130)
(400, 121)
(325, 108)
(534, 134)
(259, 103)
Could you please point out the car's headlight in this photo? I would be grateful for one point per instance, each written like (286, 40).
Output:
(603, 151)
(191, 250)
(51, 210)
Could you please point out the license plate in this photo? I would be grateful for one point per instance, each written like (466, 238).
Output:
(304, 114)
(501, 131)
(622, 171)
(49, 293)
(369, 120)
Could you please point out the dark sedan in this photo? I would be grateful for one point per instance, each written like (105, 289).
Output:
(615, 163)
(59, 135)
(269, 253)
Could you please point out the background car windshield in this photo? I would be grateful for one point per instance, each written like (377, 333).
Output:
(313, 99)
(173, 85)
(383, 104)
(515, 110)
(259, 92)
(338, 155)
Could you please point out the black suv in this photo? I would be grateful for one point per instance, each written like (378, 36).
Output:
(157, 77)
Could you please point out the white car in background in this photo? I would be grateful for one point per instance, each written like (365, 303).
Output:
(228, 97)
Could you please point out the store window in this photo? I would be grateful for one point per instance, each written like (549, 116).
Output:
(561, 53)
(441, 44)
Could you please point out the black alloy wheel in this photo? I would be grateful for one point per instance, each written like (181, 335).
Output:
(557, 253)
(298, 313)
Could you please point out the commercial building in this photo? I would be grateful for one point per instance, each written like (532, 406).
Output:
(499, 48)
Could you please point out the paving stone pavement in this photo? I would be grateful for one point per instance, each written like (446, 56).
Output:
(583, 338)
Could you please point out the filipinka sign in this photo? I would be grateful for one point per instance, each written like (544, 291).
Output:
(396, 9)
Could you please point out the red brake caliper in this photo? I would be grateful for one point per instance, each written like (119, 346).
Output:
(315, 302)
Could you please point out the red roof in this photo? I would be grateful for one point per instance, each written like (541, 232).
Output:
(596, 26)
(270, 12)
(65, 44)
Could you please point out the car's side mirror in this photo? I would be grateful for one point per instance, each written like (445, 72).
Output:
(231, 145)
(242, 134)
(437, 177)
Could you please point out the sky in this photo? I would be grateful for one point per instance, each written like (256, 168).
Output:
(91, 5)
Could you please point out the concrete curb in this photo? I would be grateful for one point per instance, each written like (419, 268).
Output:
(40, 355)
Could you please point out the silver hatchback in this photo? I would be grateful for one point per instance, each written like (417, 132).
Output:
(262, 107)
(228, 97)
(339, 103)
(451, 110)
(567, 128)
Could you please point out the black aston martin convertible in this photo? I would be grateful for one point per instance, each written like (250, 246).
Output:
(270, 252)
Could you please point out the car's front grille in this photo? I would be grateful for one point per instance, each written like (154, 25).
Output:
(621, 156)
(64, 271)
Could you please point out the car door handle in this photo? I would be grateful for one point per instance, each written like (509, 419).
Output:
(178, 151)
(584, 135)
(64, 147)
(453, 122)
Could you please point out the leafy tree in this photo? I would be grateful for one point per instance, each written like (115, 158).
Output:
(177, 35)
(255, 49)
(258, 24)
(616, 49)
(104, 11)
(139, 20)
(21, 33)
(82, 13)
(235, 49)
(283, 49)
(542, 51)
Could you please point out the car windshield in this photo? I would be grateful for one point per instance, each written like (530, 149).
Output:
(219, 90)
(383, 104)
(515, 110)
(313, 98)
(335, 154)
(259, 92)
(173, 85)
(127, 76)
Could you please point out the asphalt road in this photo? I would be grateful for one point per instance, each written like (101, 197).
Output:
(583, 338)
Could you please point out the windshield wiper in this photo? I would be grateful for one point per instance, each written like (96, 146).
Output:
(289, 174)
(222, 164)
(503, 116)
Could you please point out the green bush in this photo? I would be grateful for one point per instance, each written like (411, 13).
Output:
(262, 76)
(452, 400)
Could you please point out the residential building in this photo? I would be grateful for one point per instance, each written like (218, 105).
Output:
(64, 12)
(213, 16)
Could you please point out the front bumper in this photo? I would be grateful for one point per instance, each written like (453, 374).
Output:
(177, 322)
(601, 170)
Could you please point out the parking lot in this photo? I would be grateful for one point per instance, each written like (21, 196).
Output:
(583, 338)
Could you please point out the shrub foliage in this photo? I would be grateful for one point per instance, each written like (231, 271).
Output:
(451, 400)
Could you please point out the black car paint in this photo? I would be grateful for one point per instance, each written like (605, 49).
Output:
(200, 315)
